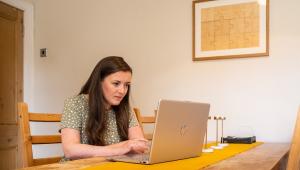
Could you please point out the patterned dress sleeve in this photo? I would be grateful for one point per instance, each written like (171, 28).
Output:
(133, 120)
(72, 114)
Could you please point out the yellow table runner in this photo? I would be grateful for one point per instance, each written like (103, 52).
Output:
(202, 161)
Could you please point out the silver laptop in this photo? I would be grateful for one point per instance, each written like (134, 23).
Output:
(178, 133)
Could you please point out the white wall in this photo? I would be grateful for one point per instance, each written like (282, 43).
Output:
(155, 37)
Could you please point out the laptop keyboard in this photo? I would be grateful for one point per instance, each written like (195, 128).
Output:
(133, 157)
(143, 157)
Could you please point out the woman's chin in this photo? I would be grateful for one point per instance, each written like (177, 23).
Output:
(116, 103)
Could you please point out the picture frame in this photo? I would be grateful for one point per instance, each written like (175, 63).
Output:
(225, 29)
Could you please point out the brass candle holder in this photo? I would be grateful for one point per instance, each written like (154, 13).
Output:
(222, 132)
(217, 146)
(206, 149)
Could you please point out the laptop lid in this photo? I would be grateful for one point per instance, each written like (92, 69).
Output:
(179, 130)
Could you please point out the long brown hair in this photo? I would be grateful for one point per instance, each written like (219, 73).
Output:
(96, 121)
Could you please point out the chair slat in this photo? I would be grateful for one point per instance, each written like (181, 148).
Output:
(41, 117)
(25, 134)
(145, 119)
(148, 136)
(28, 139)
(46, 139)
(148, 119)
(43, 161)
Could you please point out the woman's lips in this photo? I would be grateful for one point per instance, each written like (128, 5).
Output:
(118, 97)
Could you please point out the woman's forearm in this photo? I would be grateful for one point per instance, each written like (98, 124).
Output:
(78, 151)
(73, 149)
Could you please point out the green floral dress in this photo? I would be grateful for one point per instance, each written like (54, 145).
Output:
(75, 114)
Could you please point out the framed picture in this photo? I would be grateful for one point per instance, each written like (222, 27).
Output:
(224, 29)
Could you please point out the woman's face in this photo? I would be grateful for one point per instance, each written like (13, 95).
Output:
(115, 87)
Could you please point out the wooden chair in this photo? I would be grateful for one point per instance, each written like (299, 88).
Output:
(28, 139)
(294, 155)
(145, 120)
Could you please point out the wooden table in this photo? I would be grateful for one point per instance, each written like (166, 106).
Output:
(263, 157)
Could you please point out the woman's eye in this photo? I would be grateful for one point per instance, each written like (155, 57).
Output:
(116, 83)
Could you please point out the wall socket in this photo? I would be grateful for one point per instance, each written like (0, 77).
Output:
(43, 52)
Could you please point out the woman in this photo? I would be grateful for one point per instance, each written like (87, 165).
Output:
(99, 121)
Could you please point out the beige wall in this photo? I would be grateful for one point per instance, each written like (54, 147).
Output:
(155, 37)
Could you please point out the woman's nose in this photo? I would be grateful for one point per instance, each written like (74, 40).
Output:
(122, 89)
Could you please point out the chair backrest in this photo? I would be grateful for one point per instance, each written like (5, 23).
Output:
(145, 120)
(28, 139)
(294, 155)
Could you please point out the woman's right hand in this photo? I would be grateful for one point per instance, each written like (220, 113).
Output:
(137, 145)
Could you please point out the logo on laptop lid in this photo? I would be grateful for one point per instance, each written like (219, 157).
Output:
(183, 129)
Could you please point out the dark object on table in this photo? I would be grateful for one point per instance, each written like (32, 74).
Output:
(234, 139)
